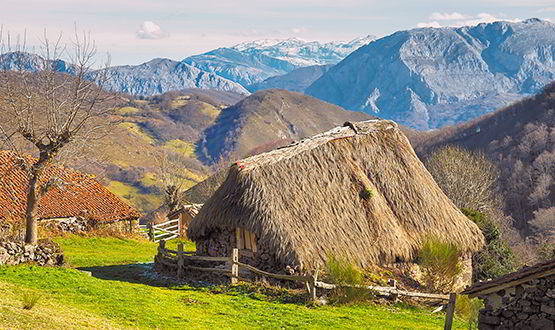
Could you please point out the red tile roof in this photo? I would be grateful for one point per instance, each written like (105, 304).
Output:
(81, 194)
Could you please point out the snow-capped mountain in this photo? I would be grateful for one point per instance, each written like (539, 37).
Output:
(243, 68)
(163, 75)
(304, 53)
(253, 62)
(431, 77)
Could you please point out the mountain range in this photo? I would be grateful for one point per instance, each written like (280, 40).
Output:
(252, 62)
(431, 77)
(424, 78)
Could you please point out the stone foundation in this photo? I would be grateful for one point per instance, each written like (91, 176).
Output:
(221, 241)
(527, 306)
(122, 226)
(46, 253)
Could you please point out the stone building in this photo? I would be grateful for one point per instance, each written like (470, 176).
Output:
(76, 200)
(358, 192)
(524, 299)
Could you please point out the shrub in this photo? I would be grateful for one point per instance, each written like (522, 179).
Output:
(30, 299)
(440, 264)
(349, 280)
(366, 193)
(468, 310)
(496, 258)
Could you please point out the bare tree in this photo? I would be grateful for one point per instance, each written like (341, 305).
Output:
(468, 178)
(174, 179)
(48, 111)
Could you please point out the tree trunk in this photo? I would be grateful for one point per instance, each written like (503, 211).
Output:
(32, 210)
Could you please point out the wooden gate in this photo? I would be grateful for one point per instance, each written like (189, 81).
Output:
(166, 230)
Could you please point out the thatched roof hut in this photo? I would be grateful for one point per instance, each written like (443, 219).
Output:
(358, 191)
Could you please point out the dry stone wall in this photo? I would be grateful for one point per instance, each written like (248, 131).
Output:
(527, 306)
(46, 253)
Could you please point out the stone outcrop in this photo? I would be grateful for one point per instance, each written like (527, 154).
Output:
(45, 253)
(530, 305)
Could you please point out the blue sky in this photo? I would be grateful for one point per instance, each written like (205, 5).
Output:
(135, 31)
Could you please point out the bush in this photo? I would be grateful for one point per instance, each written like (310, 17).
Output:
(349, 280)
(30, 299)
(468, 310)
(496, 258)
(440, 264)
(366, 193)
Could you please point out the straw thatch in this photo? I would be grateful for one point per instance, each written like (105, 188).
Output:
(304, 201)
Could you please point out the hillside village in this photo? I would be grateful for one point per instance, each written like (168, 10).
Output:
(397, 182)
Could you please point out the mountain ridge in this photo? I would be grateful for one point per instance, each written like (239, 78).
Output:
(431, 77)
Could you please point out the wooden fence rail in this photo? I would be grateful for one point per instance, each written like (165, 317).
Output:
(165, 231)
(179, 259)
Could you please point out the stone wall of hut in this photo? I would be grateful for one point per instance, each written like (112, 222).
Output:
(527, 306)
(221, 242)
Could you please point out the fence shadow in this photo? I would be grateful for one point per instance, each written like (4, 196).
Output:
(139, 273)
(144, 273)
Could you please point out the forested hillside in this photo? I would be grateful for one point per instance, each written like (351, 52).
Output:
(520, 139)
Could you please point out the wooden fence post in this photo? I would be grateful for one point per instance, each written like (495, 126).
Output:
(313, 286)
(450, 311)
(180, 261)
(234, 266)
(150, 232)
(162, 245)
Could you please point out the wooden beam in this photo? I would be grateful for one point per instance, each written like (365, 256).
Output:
(253, 243)
(203, 269)
(390, 290)
(180, 261)
(278, 276)
(238, 241)
(247, 240)
(234, 266)
(503, 286)
(450, 312)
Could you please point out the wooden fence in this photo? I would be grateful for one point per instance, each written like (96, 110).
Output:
(165, 230)
(144, 231)
(179, 261)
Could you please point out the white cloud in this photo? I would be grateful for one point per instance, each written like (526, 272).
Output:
(150, 30)
(485, 18)
(433, 24)
(457, 20)
(448, 16)
(547, 10)
(298, 30)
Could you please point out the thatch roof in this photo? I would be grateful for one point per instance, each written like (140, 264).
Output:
(305, 199)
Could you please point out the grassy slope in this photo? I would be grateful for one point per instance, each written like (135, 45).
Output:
(124, 297)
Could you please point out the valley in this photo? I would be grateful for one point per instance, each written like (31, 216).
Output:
(233, 172)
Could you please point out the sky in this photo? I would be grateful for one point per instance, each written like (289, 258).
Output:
(135, 31)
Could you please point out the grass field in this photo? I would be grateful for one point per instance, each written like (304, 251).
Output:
(124, 292)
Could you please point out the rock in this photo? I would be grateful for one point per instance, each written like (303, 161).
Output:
(548, 309)
(541, 324)
(507, 314)
(489, 319)
(531, 309)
